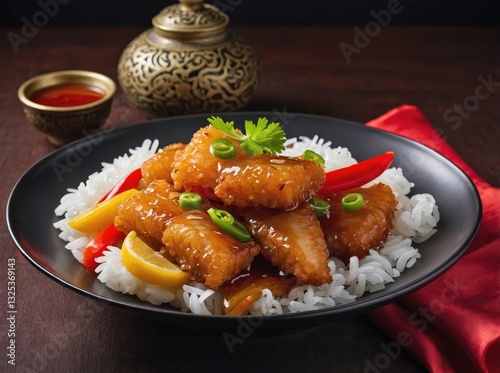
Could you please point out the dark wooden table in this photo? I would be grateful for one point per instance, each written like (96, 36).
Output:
(441, 70)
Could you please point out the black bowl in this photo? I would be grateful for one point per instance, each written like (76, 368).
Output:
(42, 186)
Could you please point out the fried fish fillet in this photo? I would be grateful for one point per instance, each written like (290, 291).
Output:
(293, 241)
(269, 180)
(160, 165)
(353, 233)
(147, 212)
(262, 180)
(195, 165)
(203, 249)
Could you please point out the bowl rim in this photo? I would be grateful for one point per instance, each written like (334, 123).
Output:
(108, 86)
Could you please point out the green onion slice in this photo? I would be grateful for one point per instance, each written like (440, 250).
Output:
(319, 206)
(223, 148)
(352, 202)
(190, 200)
(228, 224)
(313, 156)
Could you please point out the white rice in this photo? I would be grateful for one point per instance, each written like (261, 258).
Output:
(88, 193)
(415, 220)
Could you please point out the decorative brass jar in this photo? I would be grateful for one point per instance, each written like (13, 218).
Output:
(189, 62)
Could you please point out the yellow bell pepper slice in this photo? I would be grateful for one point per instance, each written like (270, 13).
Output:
(101, 215)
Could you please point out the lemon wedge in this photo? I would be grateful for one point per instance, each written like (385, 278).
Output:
(150, 266)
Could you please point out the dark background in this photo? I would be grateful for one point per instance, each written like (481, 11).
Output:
(105, 13)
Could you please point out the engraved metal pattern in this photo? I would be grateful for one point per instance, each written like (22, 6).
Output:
(176, 15)
(188, 80)
(68, 127)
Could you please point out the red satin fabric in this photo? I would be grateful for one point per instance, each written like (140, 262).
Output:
(452, 324)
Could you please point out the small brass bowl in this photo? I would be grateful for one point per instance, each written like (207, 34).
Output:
(63, 124)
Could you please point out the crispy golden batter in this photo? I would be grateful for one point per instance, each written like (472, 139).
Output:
(264, 180)
(195, 165)
(148, 210)
(293, 241)
(203, 249)
(353, 233)
(160, 165)
(269, 180)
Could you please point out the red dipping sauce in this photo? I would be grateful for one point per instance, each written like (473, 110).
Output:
(66, 95)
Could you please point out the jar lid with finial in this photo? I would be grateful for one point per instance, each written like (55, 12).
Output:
(189, 62)
(191, 20)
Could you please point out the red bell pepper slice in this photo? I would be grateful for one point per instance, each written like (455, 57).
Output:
(356, 175)
(108, 236)
(128, 182)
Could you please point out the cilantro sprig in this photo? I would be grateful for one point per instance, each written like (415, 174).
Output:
(263, 137)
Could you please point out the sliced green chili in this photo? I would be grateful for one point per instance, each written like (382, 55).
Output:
(228, 224)
(352, 202)
(313, 156)
(319, 206)
(190, 200)
(223, 148)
